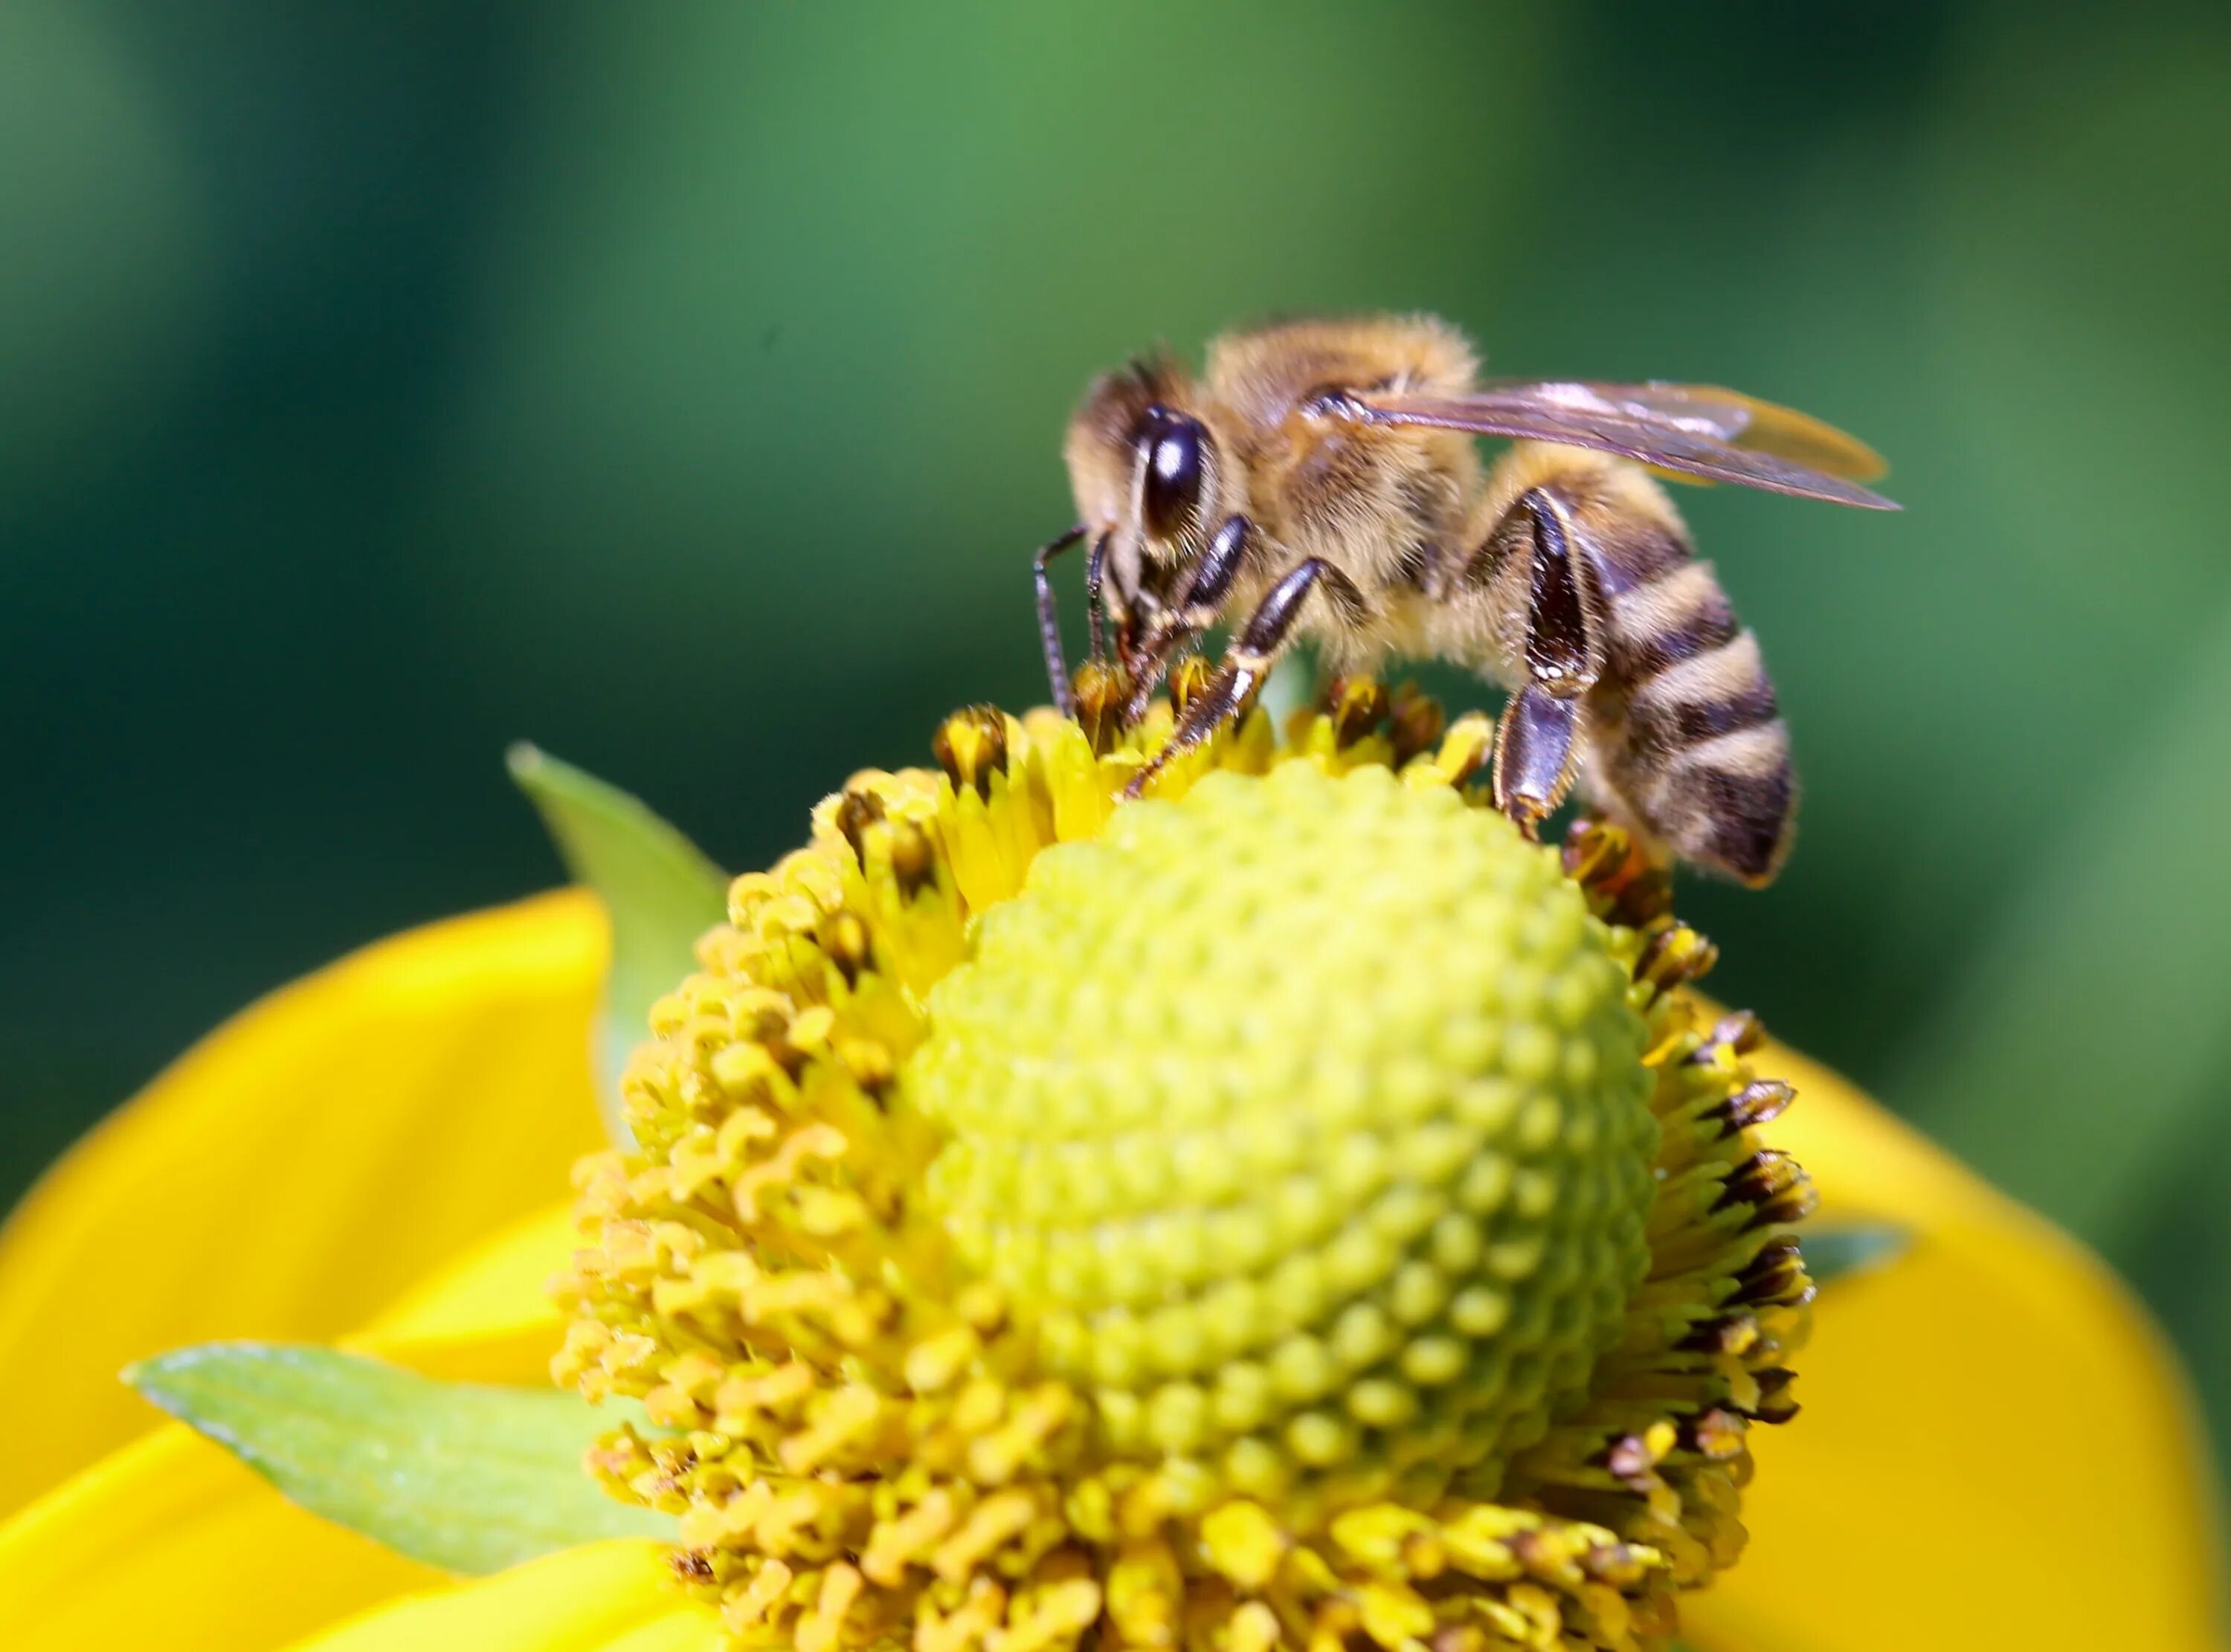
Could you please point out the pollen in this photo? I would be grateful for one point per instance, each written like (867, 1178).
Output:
(1292, 1210)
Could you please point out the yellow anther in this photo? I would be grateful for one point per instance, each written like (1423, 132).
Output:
(1242, 1541)
(998, 1519)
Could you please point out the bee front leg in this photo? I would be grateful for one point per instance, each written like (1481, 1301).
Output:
(1537, 741)
(1252, 653)
(1095, 596)
(1193, 612)
(1049, 624)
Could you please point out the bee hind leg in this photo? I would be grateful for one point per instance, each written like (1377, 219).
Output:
(1250, 657)
(1536, 755)
(1537, 747)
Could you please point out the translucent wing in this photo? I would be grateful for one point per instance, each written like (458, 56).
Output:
(1692, 429)
(1747, 422)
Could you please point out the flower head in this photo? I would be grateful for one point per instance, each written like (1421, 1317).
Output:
(1287, 1209)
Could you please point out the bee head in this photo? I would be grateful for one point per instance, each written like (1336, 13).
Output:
(1147, 470)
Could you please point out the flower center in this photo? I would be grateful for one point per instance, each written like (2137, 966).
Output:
(1306, 1122)
(1301, 1213)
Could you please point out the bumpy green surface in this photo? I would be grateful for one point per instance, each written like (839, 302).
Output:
(1306, 1118)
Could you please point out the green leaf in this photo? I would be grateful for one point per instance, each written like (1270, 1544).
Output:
(468, 1478)
(659, 889)
(1837, 1251)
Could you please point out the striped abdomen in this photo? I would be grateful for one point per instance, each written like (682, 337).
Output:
(1683, 725)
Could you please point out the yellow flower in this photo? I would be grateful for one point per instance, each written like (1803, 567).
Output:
(1970, 1410)
(1281, 1212)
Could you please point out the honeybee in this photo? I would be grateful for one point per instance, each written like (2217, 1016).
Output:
(1335, 459)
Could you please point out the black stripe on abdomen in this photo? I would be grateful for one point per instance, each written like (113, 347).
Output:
(1727, 802)
(1677, 724)
(1657, 624)
(1642, 655)
(1628, 555)
(1738, 820)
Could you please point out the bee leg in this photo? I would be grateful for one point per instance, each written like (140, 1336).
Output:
(1049, 625)
(1195, 612)
(1095, 573)
(1537, 741)
(1536, 755)
(1248, 659)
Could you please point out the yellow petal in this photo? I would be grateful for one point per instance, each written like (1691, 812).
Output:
(602, 1598)
(172, 1543)
(138, 1550)
(1996, 1447)
(487, 1317)
(301, 1167)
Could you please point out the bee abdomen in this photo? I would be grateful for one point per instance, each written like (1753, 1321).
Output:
(1728, 801)
(1707, 754)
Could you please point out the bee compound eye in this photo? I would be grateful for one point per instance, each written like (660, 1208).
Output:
(1173, 446)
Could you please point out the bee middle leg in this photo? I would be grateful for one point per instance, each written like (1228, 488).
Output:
(1250, 657)
(1537, 746)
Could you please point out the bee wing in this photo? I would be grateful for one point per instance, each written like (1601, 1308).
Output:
(1691, 429)
(1748, 423)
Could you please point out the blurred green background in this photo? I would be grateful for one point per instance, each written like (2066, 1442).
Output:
(683, 388)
